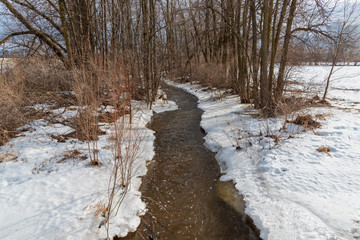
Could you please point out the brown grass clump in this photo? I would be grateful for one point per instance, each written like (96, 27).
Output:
(74, 154)
(322, 116)
(8, 156)
(317, 102)
(290, 104)
(306, 121)
(98, 208)
(316, 98)
(324, 150)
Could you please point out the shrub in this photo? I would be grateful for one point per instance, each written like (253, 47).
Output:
(30, 81)
(211, 75)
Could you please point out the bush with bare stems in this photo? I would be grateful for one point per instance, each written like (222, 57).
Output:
(30, 81)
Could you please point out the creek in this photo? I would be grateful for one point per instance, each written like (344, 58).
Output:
(184, 196)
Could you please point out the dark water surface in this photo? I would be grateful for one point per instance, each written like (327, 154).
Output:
(184, 197)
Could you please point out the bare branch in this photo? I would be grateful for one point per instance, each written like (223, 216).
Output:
(28, 5)
(42, 36)
(13, 35)
(310, 29)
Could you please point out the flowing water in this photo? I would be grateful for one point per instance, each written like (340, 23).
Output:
(184, 196)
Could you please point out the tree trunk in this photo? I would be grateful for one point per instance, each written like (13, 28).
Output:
(265, 101)
(65, 30)
(284, 57)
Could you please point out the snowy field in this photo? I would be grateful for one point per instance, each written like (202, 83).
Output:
(291, 190)
(344, 84)
(48, 189)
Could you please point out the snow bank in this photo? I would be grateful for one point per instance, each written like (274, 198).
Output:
(48, 190)
(291, 190)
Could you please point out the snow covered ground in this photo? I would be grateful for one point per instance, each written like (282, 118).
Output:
(291, 190)
(48, 190)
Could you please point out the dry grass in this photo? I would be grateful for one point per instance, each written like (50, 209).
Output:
(12, 114)
(208, 75)
(306, 121)
(39, 79)
(324, 150)
(74, 154)
(99, 208)
(31, 81)
(322, 116)
(290, 104)
(211, 75)
(96, 88)
(288, 107)
(8, 156)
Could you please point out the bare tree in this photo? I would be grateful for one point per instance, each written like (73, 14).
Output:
(345, 35)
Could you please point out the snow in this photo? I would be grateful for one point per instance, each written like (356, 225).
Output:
(344, 84)
(291, 190)
(45, 193)
(163, 105)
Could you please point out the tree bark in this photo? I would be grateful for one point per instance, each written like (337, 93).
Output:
(284, 56)
(265, 101)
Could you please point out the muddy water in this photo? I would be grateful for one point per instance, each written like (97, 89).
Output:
(182, 191)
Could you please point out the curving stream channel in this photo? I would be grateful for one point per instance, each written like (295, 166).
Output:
(184, 196)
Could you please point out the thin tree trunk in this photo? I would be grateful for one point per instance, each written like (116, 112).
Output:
(254, 57)
(284, 57)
